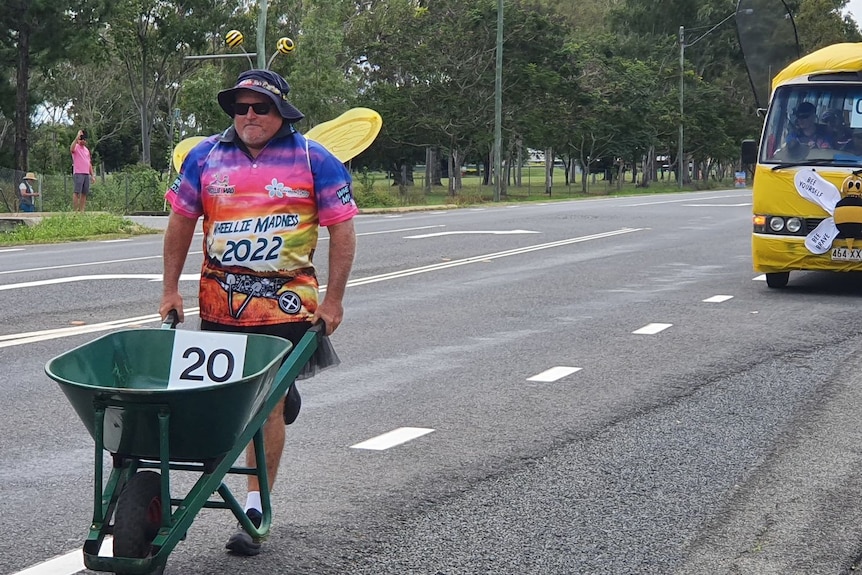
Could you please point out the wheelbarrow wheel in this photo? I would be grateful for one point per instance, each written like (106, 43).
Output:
(138, 517)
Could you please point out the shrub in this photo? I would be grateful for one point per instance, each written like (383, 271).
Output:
(367, 196)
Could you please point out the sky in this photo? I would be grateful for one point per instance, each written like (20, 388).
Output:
(854, 8)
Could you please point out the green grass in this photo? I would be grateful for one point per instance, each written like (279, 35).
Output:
(73, 227)
(371, 191)
(375, 191)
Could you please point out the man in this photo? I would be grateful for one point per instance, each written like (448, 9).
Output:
(26, 193)
(82, 171)
(806, 133)
(263, 191)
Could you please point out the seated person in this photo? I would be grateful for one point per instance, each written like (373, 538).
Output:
(806, 134)
(839, 133)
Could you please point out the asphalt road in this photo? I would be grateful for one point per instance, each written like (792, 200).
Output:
(697, 421)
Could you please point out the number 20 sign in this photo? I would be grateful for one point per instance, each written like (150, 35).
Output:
(202, 358)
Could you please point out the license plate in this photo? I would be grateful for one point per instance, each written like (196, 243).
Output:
(847, 254)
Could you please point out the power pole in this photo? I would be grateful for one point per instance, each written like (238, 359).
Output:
(498, 106)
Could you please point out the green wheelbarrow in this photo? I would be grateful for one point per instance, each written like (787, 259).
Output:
(173, 400)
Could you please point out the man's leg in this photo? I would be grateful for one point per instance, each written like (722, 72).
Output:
(76, 191)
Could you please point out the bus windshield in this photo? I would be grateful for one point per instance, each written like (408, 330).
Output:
(814, 123)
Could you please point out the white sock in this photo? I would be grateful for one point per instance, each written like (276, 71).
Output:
(252, 501)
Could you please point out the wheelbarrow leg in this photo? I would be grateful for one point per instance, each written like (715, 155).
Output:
(258, 533)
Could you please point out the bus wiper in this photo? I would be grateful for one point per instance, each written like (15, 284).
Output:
(836, 162)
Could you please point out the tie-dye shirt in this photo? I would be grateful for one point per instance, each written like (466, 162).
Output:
(261, 221)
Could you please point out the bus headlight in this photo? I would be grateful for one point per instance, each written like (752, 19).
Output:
(794, 225)
(776, 224)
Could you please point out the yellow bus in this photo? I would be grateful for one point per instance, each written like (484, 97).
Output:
(807, 188)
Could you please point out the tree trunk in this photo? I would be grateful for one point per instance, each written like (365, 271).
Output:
(436, 168)
(519, 162)
(22, 97)
(649, 171)
(486, 171)
(429, 168)
(549, 170)
(457, 162)
(145, 120)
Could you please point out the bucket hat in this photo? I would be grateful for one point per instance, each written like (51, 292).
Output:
(264, 82)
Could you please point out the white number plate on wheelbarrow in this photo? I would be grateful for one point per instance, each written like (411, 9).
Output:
(204, 358)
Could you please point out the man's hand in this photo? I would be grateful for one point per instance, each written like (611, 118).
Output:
(172, 301)
(332, 313)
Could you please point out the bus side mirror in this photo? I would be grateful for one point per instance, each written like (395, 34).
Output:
(749, 152)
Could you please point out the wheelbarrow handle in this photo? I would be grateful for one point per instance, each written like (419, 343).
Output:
(171, 320)
(319, 327)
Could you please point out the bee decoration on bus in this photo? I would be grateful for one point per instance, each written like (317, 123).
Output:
(845, 212)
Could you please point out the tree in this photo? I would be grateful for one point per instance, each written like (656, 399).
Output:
(40, 33)
(320, 85)
(150, 38)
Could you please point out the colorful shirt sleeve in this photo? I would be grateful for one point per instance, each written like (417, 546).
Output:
(332, 185)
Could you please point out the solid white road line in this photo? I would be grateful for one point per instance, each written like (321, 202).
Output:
(100, 263)
(67, 564)
(493, 233)
(63, 565)
(96, 277)
(398, 231)
(652, 328)
(716, 205)
(48, 334)
(718, 298)
(655, 203)
(553, 374)
(392, 438)
(760, 278)
(487, 257)
(82, 264)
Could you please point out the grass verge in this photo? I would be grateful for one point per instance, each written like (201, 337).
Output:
(73, 227)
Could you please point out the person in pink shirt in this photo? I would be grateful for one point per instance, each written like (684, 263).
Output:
(82, 171)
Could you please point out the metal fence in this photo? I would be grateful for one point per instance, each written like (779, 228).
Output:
(135, 191)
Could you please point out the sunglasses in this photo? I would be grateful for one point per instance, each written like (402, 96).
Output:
(804, 116)
(260, 108)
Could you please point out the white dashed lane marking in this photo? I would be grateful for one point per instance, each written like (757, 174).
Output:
(553, 374)
(392, 438)
(718, 298)
(652, 328)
